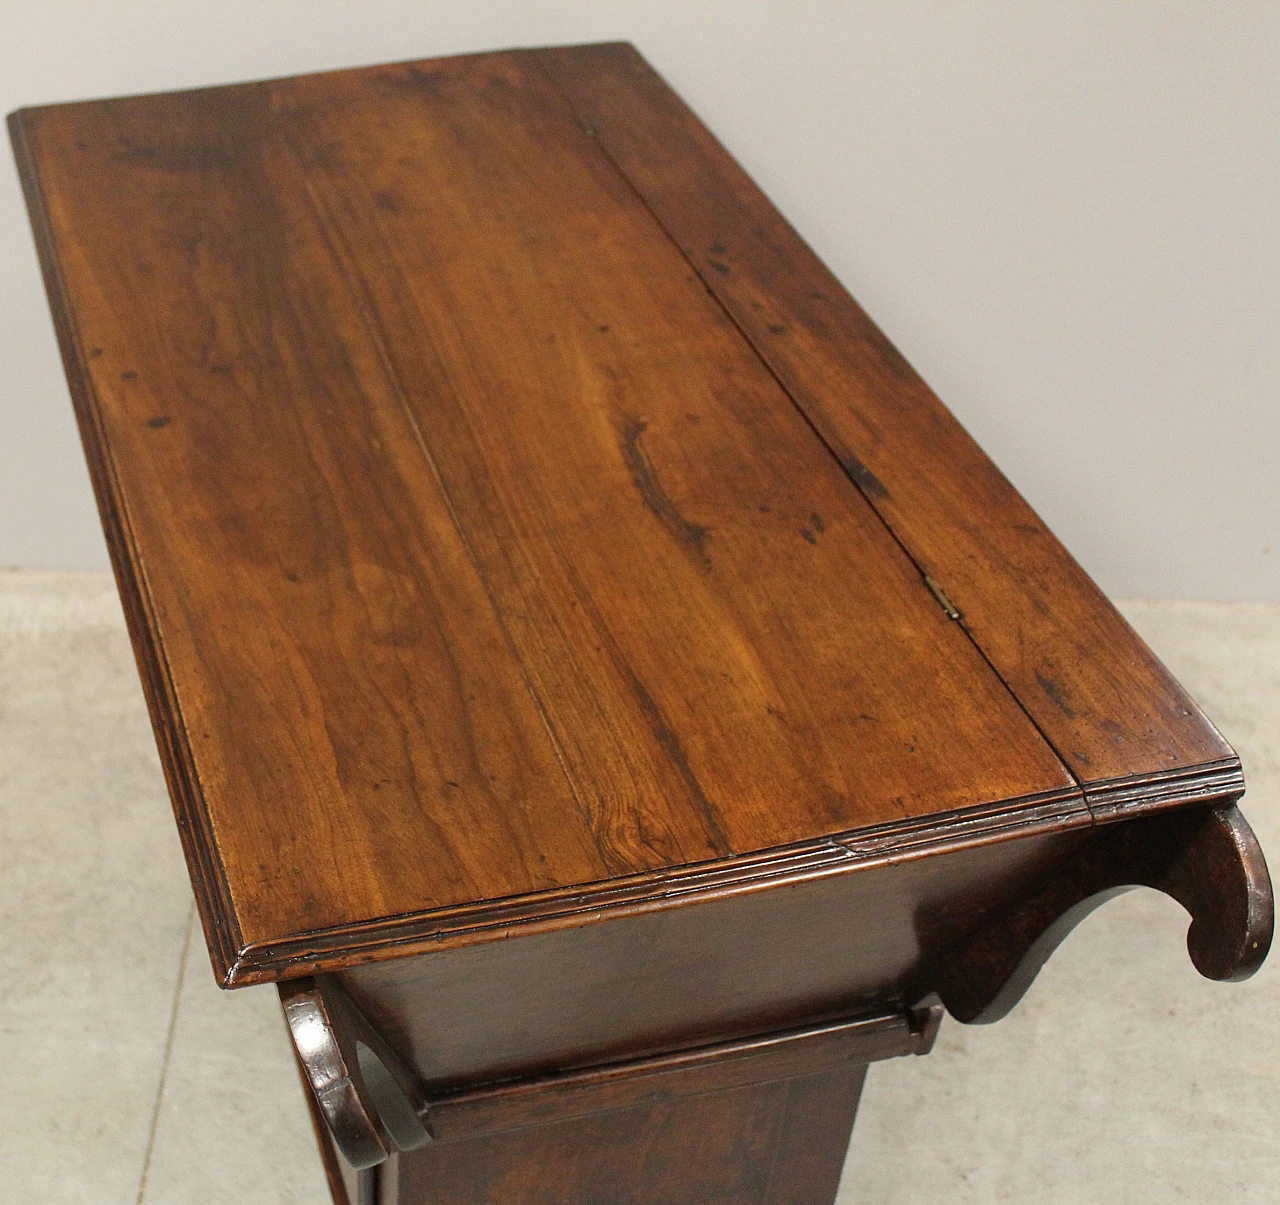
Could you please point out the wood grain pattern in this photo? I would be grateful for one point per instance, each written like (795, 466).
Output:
(371, 1105)
(517, 525)
(524, 536)
(772, 1058)
(1108, 706)
(471, 553)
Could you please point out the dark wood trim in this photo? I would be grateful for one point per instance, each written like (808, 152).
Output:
(790, 1054)
(847, 853)
(780, 1143)
(369, 1101)
(335, 1173)
(1205, 858)
(368, 1121)
(1141, 794)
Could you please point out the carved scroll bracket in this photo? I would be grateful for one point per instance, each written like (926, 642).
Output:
(369, 1099)
(1205, 858)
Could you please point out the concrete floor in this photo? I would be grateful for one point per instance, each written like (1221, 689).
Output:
(131, 1080)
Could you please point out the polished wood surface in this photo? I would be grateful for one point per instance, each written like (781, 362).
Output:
(1111, 710)
(594, 675)
(759, 1122)
(478, 553)
(491, 552)
(1205, 858)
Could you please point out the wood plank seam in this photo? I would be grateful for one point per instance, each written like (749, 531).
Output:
(859, 483)
(239, 962)
(453, 427)
(1106, 799)
(1113, 801)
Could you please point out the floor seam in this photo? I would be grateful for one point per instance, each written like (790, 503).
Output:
(168, 1052)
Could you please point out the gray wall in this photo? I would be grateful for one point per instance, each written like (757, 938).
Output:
(1063, 212)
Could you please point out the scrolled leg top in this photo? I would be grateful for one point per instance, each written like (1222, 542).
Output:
(1205, 858)
(369, 1100)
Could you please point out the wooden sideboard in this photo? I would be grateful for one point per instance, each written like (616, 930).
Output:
(597, 680)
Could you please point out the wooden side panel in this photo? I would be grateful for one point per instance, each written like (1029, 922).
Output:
(813, 1145)
(686, 975)
(770, 1058)
(1105, 702)
(776, 1144)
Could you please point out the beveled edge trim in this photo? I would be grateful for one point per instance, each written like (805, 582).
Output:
(208, 876)
(338, 948)
(845, 853)
(1139, 794)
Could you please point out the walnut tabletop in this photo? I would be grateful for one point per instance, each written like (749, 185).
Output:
(520, 530)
